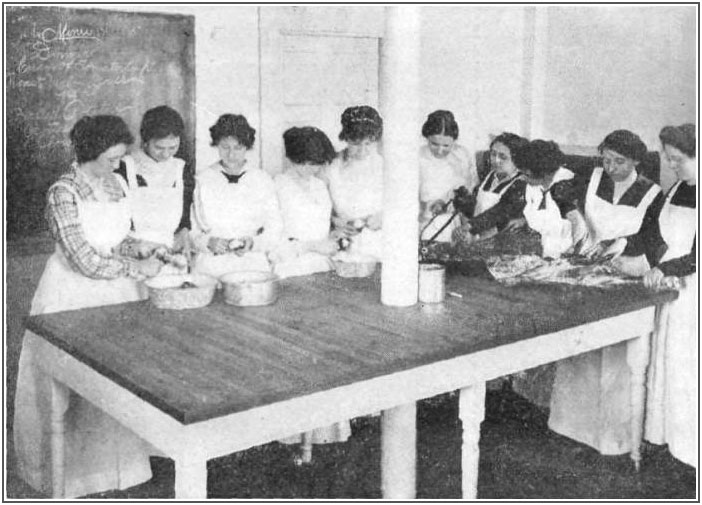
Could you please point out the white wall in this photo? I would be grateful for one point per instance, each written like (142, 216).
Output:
(472, 59)
(593, 68)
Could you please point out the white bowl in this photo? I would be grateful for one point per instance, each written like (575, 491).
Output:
(250, 288)
(169, 292)
(354, 265)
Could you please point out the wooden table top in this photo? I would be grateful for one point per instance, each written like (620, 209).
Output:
(323, 332)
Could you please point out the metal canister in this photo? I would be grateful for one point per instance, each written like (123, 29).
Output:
(432, 283)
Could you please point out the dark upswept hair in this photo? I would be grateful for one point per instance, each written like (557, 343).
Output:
(359, 123)
(625, 143)
(308, 144)
(161, 122)
(93, 135)
(233, 125)
(540, 157)
(683, 138)
(511, 141)
(440, 122)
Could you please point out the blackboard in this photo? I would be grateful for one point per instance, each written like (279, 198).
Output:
(64, 63)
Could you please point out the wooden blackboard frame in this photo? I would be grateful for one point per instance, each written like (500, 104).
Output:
(65, 62)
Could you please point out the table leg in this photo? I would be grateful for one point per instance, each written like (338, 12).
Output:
(190, 477)
(398, 463)
(637, 357)
(59, 403)
(471, 411)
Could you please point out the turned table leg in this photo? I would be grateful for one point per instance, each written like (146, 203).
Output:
(637, 356)
(190, 477)
(399, 452)
(59, 403)
(471, 411)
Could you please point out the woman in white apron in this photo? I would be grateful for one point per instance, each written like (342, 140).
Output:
(499, 198)
(444, 166)
(355, 181)
(668, 245)
(305, 205)
(155, 179)
(589, 401)
(306, 246)
(544, 211)
(235, 206)
(89, 217)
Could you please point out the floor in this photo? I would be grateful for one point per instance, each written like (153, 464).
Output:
(519, 459)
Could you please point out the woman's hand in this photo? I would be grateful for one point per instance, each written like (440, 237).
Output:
(516, 224)
(437, 207)
(327, 247)
(579, 231)
(182, 242)
(245, 246)
(218, 245)
(149, 267)
(375, 221)
(653, 279)
(462, 233)
(344, 227)
(611, 251)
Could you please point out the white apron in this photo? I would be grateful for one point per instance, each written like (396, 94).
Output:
(229, 214)
(356, 188)
(590, 396)
(607, 220)
(156, 210)
(306, 216)
(673, 375)
(486, 199)
(100, 453)
(556, 234)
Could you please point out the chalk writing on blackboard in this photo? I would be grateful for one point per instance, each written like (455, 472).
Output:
(64, 63)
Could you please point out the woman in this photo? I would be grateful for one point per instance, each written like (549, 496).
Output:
(444, 166)
(155, 178)
(545, 208)
(614, 200)
(499, 198)
(355, 181)
(667, 245)
(89, 218)
(305, 205)
(235, 205)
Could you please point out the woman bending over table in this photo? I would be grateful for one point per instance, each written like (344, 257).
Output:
(614, 199)
(499, 198)
(444, 166)
(665, 252)
(305, 205)
(546, 207)
(235, 205)
(89, 217)
(355, 181)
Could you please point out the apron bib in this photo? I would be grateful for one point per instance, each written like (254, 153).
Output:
(156, 211)
(219, 204)
(607, 220)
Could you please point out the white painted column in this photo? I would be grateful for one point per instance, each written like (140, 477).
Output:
(534, 71)
(399, 93)
(398, 448)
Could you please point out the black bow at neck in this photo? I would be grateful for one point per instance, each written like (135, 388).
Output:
(233, 179)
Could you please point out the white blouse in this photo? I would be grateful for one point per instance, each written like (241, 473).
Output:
(233, 210)
(439, 177)
(356, 187)
(305, 206)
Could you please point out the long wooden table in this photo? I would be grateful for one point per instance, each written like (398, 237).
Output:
(203, 383)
